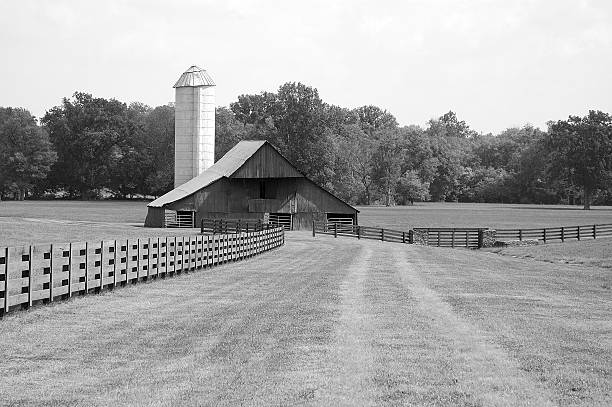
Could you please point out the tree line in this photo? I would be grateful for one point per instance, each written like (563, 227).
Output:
(90, 147)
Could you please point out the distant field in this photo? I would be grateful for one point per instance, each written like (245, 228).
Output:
(326, 322)
(93, 211)
(481, 215)
(44, 221)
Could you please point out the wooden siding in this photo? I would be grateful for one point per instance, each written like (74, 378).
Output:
(267, 163)
(232, 196)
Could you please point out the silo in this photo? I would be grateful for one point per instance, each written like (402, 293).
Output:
(194, 126)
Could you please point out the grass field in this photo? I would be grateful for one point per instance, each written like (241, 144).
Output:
(43, 221)
(326, 322)
(481, 215)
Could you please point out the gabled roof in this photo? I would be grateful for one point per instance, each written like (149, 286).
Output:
(194, 76)
(225, 167)
(229, 165)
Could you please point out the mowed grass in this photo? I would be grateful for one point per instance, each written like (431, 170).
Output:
(33, 222)
(499, 216)
(129, 212)
(43, 222)
(326, 322)
(597, 253)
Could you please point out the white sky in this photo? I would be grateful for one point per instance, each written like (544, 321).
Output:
(497, 64)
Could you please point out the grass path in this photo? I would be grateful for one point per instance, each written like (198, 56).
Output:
(325, 322)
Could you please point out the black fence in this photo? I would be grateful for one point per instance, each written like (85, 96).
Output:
(217, 226)
(362, 232)
(562, 233)
(452, 237)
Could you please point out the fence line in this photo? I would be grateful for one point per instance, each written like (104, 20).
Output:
(561, 233)
(462, 237)
(362, 232)
(52, 272)
(452, 237)
(234, 225)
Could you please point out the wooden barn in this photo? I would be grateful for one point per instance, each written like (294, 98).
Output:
(253, 181)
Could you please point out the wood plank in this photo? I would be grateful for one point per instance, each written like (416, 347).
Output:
(122, 257)
(30, 284)
(17, 299)
(4, 259)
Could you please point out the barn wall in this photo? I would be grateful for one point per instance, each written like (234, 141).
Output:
(267, 163)
(312, 198)
(229, 198)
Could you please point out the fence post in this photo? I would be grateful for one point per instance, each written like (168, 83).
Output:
(30, 291)
(313, 229)
(544, 235)
(453, 238)
(480, 238)
(521, 235)
(50, 274)
(6, 288)
(358, 232)
(86, 267)
(335, 230)
(411, 236)
(438, 238)
(594, 231)
(562, 234)
(382, 235)
(578, 232)
(467, 239)
(69, 270)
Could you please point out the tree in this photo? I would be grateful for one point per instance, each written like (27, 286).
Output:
(387, 161)
(26, 155)
(159, 132)
(373, 119)
(448, 125)
(130, 158)
(228, 131)
(581, 151)
(350, 154)
(411, 188)
(87, 133)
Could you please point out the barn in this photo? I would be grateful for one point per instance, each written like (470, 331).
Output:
(253, 181)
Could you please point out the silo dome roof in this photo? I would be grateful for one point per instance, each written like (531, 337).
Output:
(194, 76)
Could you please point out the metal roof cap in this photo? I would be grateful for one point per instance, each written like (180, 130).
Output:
(194, 77)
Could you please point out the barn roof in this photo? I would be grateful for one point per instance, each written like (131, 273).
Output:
(229, 165)
(225, 167)
(194, 76)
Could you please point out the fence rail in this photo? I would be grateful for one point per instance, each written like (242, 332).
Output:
(234, 226)
(362, 232)
(452, 237)
(562, 233)
(52, 272)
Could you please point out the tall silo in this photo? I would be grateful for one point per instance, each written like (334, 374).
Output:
(194, 126)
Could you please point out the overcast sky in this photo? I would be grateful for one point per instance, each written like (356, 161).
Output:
(497, 64)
